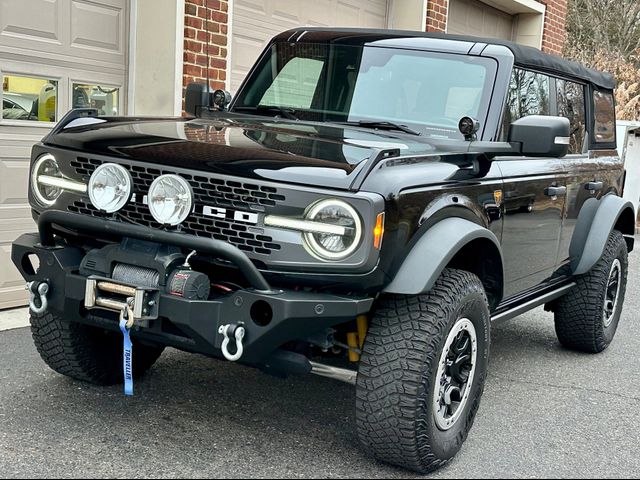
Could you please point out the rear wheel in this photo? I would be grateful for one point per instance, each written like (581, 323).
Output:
(422, 373)
(587, 317)
(87, 353)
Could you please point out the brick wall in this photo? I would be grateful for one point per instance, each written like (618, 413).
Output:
(555, 31)
(195, 37)
(554, 26)
(437, 11)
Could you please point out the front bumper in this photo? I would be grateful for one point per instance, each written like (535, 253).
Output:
(191, 325)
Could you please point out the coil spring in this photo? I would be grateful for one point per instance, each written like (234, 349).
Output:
(139, 276)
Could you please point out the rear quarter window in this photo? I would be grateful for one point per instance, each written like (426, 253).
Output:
(604, 117)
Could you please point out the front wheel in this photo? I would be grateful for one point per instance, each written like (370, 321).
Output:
(422, 373)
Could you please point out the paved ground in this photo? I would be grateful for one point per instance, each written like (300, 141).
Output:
(546, 413)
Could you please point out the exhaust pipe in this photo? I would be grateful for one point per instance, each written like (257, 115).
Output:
(341, 374)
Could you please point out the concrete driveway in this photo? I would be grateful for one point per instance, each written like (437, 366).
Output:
(546, 412)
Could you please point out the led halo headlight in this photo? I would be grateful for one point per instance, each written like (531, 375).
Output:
(45, 194)
(170, 199)
(332, 246)
(110, 187)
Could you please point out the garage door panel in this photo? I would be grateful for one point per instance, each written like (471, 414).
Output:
(255, 22)
(473, 17)
(22, 24)
(12, 290)
(97, 26)
(66, 40)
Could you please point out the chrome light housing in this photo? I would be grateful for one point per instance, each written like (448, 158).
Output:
(110, 187)
(342, 235)
(170, 200)
(45, 166)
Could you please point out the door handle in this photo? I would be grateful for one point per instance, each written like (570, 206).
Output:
(555, 191)
(594, 186)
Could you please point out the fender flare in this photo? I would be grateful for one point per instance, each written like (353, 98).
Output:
(434, 251)
(596, 221)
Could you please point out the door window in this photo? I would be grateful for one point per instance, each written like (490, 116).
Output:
(29, 98)
(528, 95)
(571, 105)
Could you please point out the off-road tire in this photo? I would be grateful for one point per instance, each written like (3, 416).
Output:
(579, 314)
(398, 368)
(87, 353)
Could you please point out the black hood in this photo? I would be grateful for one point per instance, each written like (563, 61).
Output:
(251, 147)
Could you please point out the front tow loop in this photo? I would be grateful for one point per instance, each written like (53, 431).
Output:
(38, 302)
(237, 332)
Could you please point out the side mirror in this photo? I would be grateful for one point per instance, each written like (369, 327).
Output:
(197, 97)
(541, 136)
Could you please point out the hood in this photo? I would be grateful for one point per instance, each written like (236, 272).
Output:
(250, 147)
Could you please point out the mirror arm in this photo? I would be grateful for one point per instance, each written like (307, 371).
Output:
(496, 149)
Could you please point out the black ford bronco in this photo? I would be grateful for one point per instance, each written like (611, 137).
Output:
(366, 208)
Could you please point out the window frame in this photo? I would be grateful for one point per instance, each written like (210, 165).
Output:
(589, 91)
(593, 144)
(75, 81)
(32, 123)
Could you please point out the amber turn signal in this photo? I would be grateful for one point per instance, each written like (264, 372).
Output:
(378, 231)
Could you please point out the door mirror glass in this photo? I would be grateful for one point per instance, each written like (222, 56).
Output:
(541, 136)
(29, 98)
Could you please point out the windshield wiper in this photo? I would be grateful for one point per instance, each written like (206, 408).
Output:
(288, 113)
(382, 125)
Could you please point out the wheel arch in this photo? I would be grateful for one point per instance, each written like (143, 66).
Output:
(452, 243)
(596, 221)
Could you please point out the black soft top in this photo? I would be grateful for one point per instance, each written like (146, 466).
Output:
(527, 57)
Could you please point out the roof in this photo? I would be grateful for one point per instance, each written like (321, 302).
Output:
(524, 56)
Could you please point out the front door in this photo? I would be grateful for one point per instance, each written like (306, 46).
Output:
(534, 196)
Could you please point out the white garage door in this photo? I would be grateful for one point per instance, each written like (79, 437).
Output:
(255, 22)
(54, 54)
(472, 17)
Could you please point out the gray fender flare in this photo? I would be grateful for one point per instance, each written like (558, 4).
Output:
(434, 251)
(596, 221)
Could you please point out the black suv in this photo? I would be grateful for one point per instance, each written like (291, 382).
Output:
(369, 198)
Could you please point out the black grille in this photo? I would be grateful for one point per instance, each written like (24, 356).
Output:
(208, 191)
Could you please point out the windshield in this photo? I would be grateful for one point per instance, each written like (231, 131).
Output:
(427, 91)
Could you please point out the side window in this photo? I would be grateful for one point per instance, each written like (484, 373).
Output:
(528, 95)
(571, 105)
(605, 117)
(295, 85)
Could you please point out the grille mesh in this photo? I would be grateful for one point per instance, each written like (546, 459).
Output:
(208, 191)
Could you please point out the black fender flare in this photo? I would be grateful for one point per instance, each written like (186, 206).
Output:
(434, 251)
(596, 221)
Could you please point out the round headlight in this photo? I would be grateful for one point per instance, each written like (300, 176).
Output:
(46, 165)
(334, 246)
(170, 200)
(110, 187)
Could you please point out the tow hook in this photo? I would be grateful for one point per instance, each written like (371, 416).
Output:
(230, 331)
(38, 297)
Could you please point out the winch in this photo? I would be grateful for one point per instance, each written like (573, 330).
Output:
(141, 272)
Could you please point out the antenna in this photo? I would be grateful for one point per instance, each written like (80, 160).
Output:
(206, 6)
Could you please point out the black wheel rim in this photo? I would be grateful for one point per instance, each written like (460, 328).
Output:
(456, 371)
(612, 293)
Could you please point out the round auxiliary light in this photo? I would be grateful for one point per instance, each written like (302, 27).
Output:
(170, 200)
(46, 165)
(110, 187)
(334, 246)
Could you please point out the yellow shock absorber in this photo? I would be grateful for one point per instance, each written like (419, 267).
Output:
(352, 341)
(362, 323)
